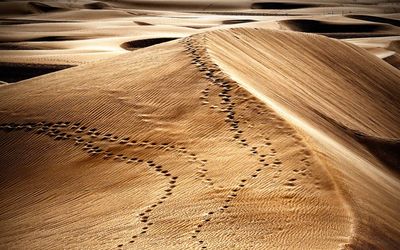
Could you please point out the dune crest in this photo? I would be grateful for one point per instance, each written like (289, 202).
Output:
(298, 102)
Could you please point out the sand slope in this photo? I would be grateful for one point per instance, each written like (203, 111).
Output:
(176, 146)
(334, 93)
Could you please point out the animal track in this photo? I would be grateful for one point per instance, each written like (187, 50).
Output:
(91, 140)
(227, 202)
(226, 104)
(217, 95)
(127, 141)
(220, 95)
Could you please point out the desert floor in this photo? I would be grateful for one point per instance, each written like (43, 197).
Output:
(199, 124)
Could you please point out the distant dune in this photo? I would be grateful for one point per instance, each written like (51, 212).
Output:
(158, 125)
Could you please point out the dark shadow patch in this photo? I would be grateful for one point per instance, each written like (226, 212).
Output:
(41, 7)
(138, 44)
(395, 46)
(55, 38)
(11, 21)
(393, 60)
(338, 30)
(184, 5)
(96, 6)
(315, 26)
(386, 150)
(46, 39)
(15, 46)
(142, 23)
(14, 72)
(283, 5)
(247, 13)
(198, 27)
(237, 21)
(376, 19)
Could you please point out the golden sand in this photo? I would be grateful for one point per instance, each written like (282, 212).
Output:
(186, 125)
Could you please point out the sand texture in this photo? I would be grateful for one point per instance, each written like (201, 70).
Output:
(199, 125)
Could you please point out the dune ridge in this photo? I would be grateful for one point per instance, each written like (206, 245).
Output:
(199, 51)
(312, 127)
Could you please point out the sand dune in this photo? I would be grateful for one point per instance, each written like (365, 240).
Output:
(283, 173)
(268, 150)
(317, 91)
(324, 100)
(75, 30)
(199, 125)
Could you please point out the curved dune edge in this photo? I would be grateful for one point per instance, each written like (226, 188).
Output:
(143, 43)
(385, 149)
(364, 234)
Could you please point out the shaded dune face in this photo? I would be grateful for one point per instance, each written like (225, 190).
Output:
(337, 30)
(376, 19)
(11, 21)
(16, 46)
(54, 39)
(20, 8)
(181, 5)
(238, 21)
(386, 150)
(393, 60)
(143, 43)
(395, 46)
(282, 5)
(42, 7)
(46, 39)
(14, 72)
(96, 6)
(143, 23)
(315, 26)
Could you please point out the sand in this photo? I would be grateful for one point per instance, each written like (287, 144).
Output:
(199, 125)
